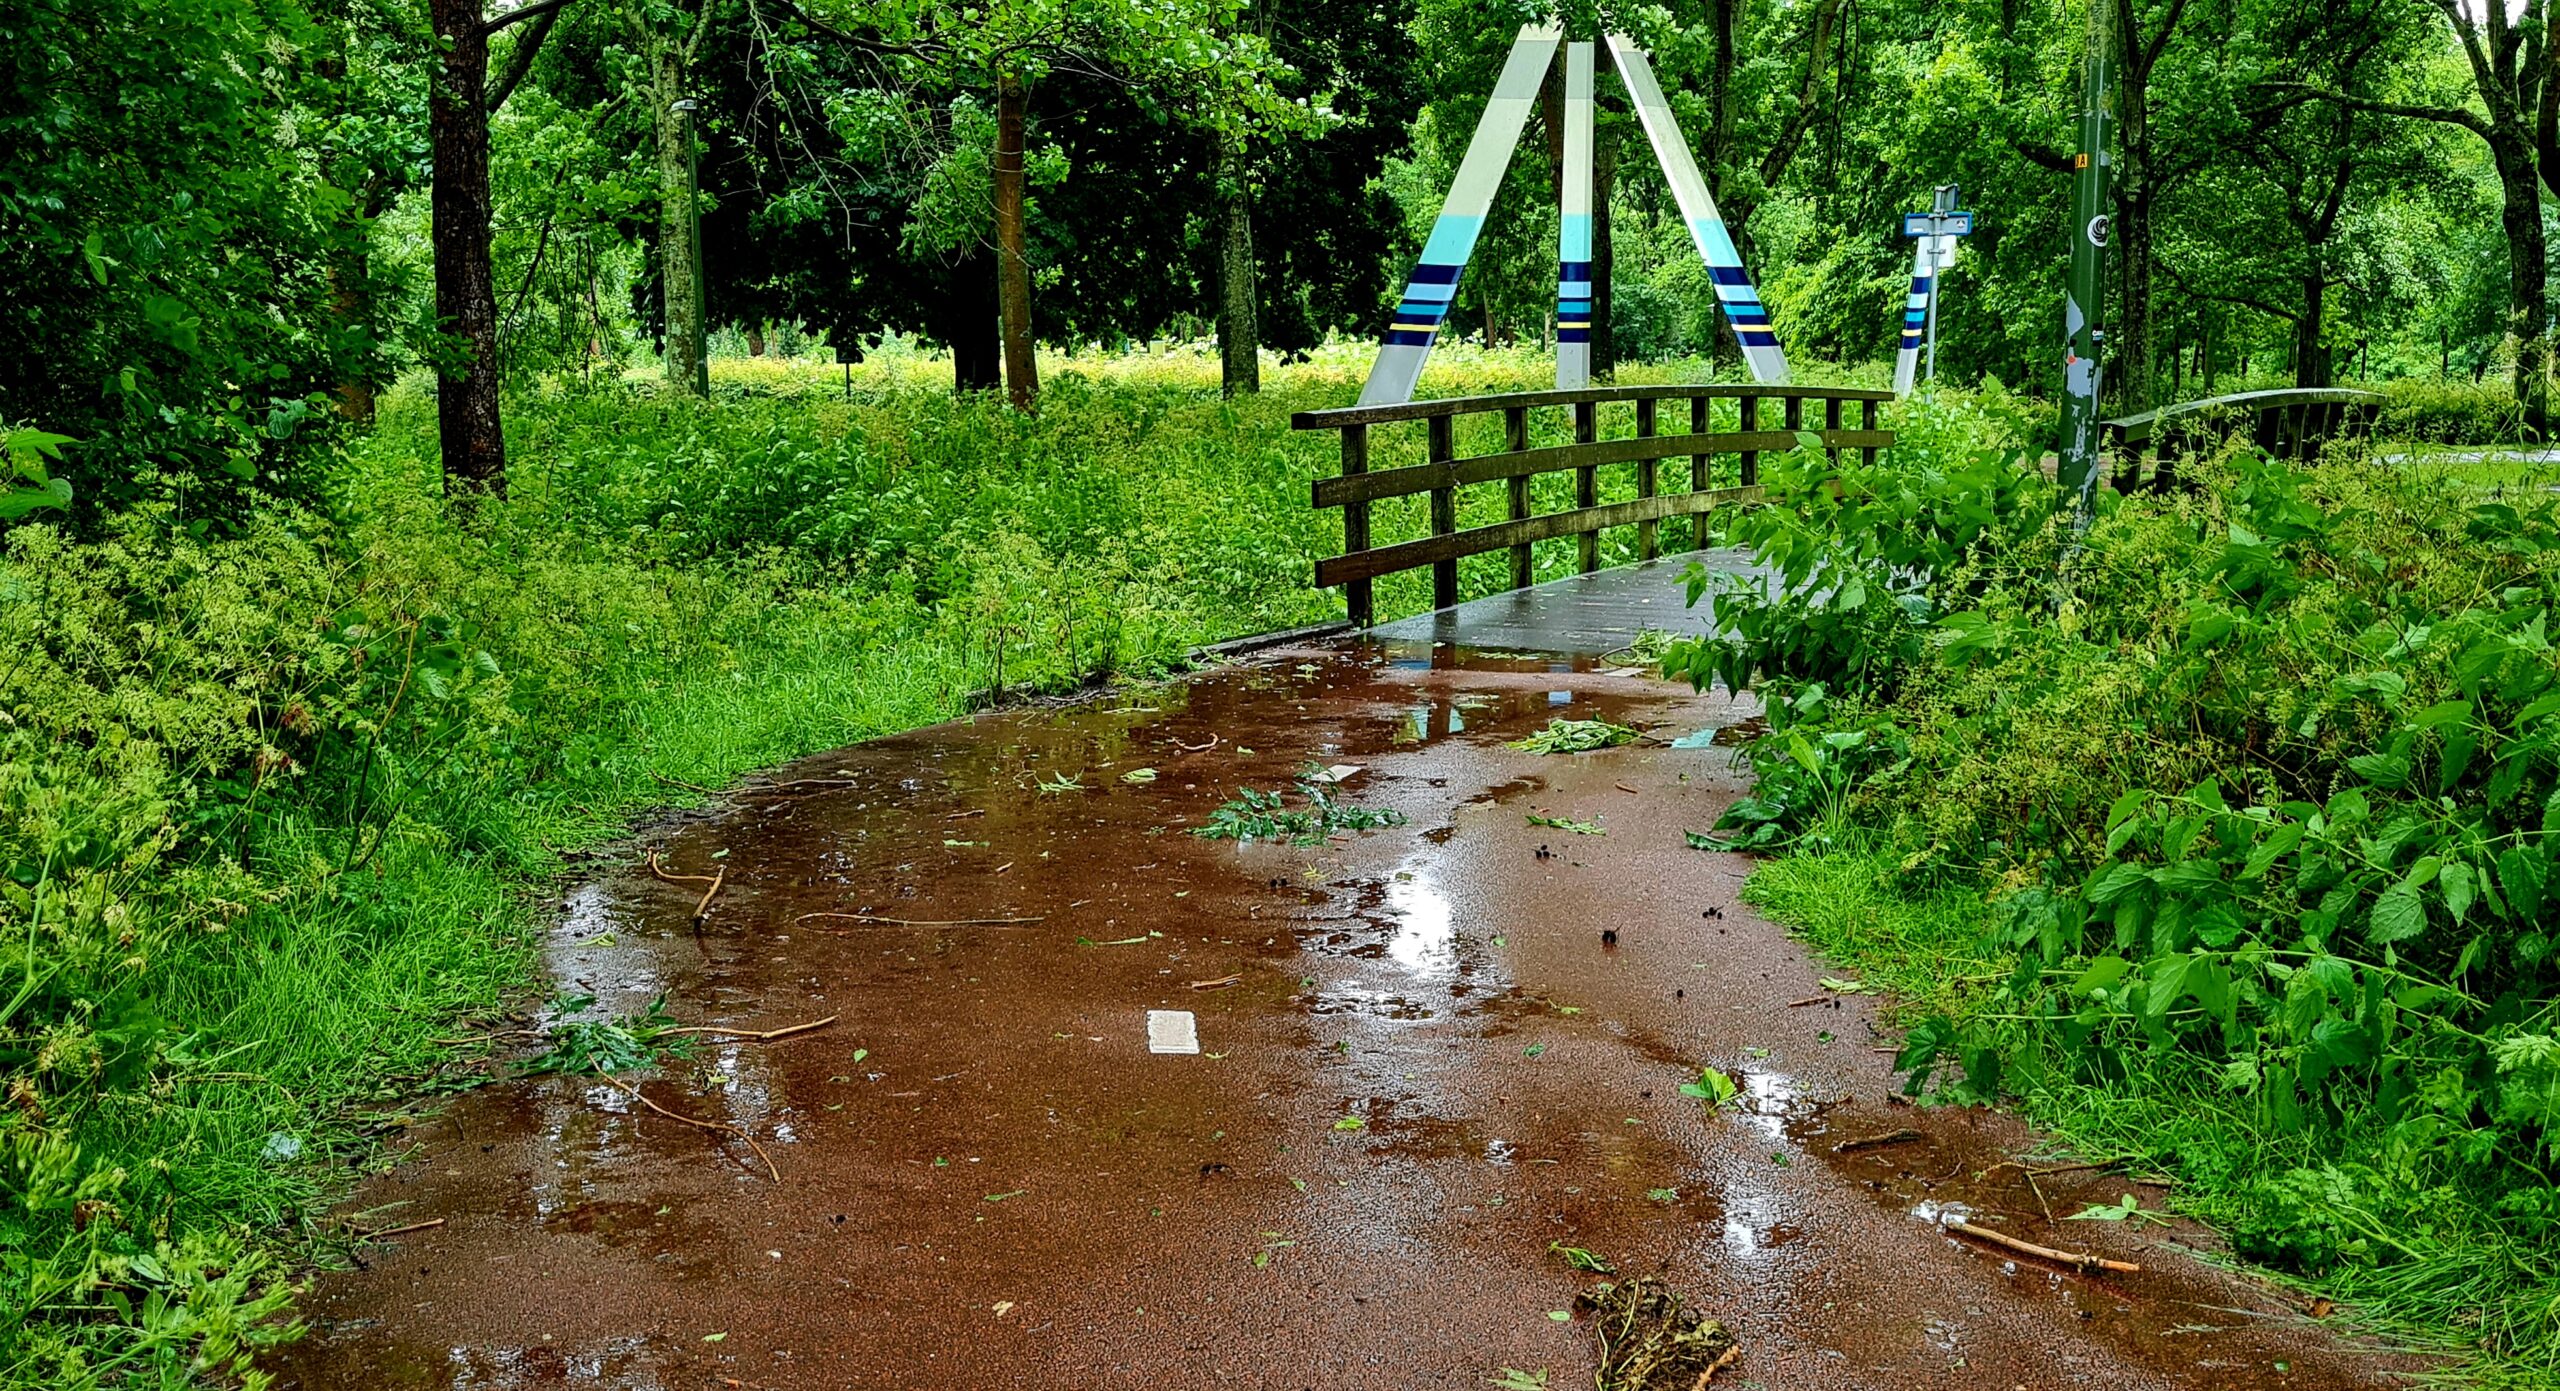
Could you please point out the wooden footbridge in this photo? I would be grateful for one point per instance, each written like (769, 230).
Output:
(1739, 421)
(1621, 428)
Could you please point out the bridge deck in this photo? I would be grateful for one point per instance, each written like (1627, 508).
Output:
(1580, 614)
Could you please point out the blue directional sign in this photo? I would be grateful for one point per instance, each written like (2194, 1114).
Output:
(1950, 224)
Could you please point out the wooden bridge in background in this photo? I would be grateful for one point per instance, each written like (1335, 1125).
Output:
(1644, 448)
(2288, 424)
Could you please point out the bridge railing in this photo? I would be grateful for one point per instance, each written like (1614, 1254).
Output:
(1443, 471)
(2289, 423)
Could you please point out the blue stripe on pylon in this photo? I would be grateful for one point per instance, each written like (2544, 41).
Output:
(1756, 338)
(1406, 338)
(1452, 237)
(1430, 272)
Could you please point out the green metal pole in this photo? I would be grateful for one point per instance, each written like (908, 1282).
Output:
(2084, 308)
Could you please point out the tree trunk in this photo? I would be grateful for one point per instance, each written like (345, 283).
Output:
(755, 338)
(2528, 304)
(1239, 330)
(2310, 348)
(473, 445)
(1013, 265)
(676, 268)
(1604, 260)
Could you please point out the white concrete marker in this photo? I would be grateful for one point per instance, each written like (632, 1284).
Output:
(1172, 1031)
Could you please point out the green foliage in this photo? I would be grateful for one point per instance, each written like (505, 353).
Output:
(166, 239)
(1576, 736)
(619, 1043)
(270, 796)
(2262, 781)
(1253, 815)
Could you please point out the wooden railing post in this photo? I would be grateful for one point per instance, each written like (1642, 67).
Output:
(1831, 421)
(1750, 457)
(1444, 511)
(1586, 480)
(1867, 422)
(1699, 420)
(1515, 438)
(1355, 526)
(1648, 478)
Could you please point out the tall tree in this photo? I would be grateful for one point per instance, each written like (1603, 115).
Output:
(460, 101)
(2510, 50)
(668, 35)
(1188, 53)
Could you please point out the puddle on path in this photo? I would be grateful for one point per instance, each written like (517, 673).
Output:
(1428, 1068)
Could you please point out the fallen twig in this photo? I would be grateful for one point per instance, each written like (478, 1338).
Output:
(2077, 1260)
(925, 922)
(1195, 748)
(2075, 1168)
(1808, 1000)
(363, 1235)
(1871, 1142)
(762, 788)
(763, 1036)
(1220, 983)
(687, 786)
(1622, 787)
(717, 1127)
(965, 815)
(659, 871)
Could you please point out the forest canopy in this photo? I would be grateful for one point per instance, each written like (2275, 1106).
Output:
(229, 224)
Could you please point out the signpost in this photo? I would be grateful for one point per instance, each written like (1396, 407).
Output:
(2084, 305)
(1935, 233)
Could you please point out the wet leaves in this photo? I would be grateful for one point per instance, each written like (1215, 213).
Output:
(1533, 1050)
(1139, 775)
(1253, 814)
(2127, 1208)
(1580, 1259)
(1351, 1123)
(1580, 828)
(1000, 1197)
(1838, 986)
(1060, 783)
(1712, 1087)
(1514, 1379)
(618, 1044)
(1576, 736)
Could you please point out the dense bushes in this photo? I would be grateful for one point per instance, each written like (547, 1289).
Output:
(268, 794)
(2261, 782)
(2425, 410)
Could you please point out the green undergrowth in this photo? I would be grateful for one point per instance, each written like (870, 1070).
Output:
(2224, 833)
(2435, 1273)
(277, 787)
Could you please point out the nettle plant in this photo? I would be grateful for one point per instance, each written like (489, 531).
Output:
(2265, 776)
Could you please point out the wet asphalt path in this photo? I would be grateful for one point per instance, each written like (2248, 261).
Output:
(1429, 1071)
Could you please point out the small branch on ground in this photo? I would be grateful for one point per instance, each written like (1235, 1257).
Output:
(2078, 1260)
(925, 922)
(1890, 1137)
(716, 1127)
(759, 1036)
(361, 1234)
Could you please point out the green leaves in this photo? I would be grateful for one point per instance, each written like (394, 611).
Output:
(1712, 1087)
(26, 450)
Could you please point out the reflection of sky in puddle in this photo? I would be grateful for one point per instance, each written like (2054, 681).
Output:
(473, 1368)
(1425, 939)
(1759, 1203)
(1767, 1097)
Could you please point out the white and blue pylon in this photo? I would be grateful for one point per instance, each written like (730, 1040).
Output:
(1930, 258)
(1742, 306)
(1573, 227)
(1434, 285)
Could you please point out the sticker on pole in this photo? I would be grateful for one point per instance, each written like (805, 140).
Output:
(1172, 1031)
